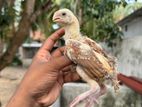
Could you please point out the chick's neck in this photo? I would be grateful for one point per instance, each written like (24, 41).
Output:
(72, 31)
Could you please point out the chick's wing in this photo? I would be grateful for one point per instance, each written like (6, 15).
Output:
(94, 64)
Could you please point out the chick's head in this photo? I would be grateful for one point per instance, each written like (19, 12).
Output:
(64, 17)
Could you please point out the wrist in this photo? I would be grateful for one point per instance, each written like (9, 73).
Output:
(22, 99)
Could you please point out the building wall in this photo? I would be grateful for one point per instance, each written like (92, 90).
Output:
(129, 51)
(129, 55)
(133, 28)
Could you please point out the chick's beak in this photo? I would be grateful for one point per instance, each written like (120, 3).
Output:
(56, 17)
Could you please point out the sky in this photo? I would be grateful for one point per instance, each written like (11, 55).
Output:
(131, 1)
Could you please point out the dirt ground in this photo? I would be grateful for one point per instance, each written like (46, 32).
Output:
(9, 80)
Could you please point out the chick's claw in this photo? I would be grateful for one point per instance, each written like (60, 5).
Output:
(90, 100)
(93, 99)
(89, 104)
(88, 96)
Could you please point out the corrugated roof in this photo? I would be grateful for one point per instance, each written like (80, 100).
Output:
(135, 14)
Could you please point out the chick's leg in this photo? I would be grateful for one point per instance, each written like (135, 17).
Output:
(90, 96)
(85, 96)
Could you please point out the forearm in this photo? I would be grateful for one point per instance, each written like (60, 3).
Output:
(22, 97)
(22, 100)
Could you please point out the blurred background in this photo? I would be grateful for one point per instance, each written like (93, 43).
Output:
(115, 24)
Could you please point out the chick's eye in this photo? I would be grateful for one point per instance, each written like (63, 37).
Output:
(63, 14)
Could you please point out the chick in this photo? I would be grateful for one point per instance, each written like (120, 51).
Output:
(92, 63)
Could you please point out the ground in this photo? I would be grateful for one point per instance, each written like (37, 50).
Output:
(9, 80)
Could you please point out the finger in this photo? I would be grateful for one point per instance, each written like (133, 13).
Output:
(67, 68)
(60, 62)
(71, 77)
(58, 52)
(49, 43)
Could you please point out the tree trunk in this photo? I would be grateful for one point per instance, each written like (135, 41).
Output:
(10, 2)
(28, 18)
(18, 37)
(79, 11)
(1, 4)
(1, 46)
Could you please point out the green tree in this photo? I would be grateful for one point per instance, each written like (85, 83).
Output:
(122, 11)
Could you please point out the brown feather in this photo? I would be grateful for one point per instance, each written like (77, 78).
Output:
(96, 47)
(94, 64)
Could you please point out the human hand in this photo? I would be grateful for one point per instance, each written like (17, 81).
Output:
(47, 74)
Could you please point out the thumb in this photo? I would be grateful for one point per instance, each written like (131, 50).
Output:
(60, 62)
